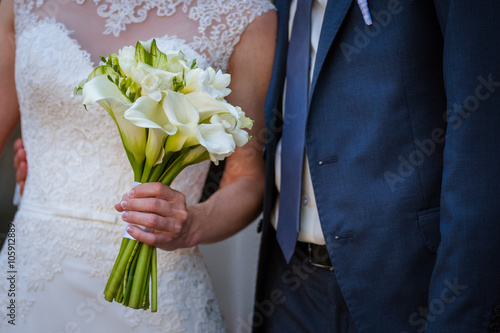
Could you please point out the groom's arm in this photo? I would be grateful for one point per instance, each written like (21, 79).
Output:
(465, 286)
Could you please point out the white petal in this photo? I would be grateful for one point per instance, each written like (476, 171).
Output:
(215, 139)
(147, 113)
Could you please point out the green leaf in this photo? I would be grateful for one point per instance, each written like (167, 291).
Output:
(101, 70)
(159, 59)
(142, 55)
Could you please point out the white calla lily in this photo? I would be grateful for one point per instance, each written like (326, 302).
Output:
(185, 117)
(206, 105)
(101, 90)
(147, 113)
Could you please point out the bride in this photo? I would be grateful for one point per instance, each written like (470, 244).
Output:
(66, 234)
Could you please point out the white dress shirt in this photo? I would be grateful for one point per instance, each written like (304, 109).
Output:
(310, 227)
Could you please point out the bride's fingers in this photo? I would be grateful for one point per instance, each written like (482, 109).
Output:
(118, 206)
(21, 187)
(152, 205)
(18, 144)
(153, 221)
(157, 190)
(19, 157)
(21, 172)
(158, 240)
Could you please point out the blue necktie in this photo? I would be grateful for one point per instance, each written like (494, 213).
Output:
(294, 125)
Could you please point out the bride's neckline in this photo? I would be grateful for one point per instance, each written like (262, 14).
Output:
(111, 34)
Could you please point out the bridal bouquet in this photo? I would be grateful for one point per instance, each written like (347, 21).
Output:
(169, 114)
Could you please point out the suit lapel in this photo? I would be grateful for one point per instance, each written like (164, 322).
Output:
(336, 10)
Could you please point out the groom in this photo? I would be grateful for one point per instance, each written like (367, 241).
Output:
(390, 223)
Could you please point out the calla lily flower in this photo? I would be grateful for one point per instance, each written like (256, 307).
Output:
(182, 114)
(101, 90)
(206, 105)
(148, 113)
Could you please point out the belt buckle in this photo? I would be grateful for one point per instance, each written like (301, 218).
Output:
(313, 262)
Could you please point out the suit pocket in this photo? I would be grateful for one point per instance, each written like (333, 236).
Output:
(429, 226)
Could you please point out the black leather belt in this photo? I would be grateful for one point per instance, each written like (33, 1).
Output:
(317, 255)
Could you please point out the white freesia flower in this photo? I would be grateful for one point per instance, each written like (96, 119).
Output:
(208, 81)
(153, 80)
(176, 62)
(218, 84)
(151, 86)
(196, 80)
(231, 126)
(126, 59)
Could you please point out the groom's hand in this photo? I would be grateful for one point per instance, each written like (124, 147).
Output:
(158, 207)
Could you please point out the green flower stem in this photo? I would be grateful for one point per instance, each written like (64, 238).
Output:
(187, 157)
(119, 295)
(116, 278)
(146, 172)
(140, 277)
(145, 299)
(153, 281)
(160, 168)
(118, 259)
(129, 273)
(136, 263)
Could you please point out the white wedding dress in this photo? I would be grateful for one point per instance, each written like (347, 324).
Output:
(67, 234)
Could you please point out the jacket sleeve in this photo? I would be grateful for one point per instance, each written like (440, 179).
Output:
(465, 285)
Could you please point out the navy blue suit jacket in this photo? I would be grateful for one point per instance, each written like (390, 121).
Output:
(403, 141)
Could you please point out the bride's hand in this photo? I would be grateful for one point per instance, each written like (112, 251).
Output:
(20, 163)
(159, 207)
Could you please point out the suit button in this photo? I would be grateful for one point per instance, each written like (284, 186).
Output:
(305, 200)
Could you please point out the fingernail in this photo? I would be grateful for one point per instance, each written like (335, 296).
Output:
(123, 204)
(131, 193)
(124, 215)
(129, 229)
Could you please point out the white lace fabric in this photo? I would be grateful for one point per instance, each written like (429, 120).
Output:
(77, 165)
(211, 27)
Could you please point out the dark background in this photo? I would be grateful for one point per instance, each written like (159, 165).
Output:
(7, 185)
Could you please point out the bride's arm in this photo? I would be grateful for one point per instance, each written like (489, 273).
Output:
(239, 199)
(9, 109)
